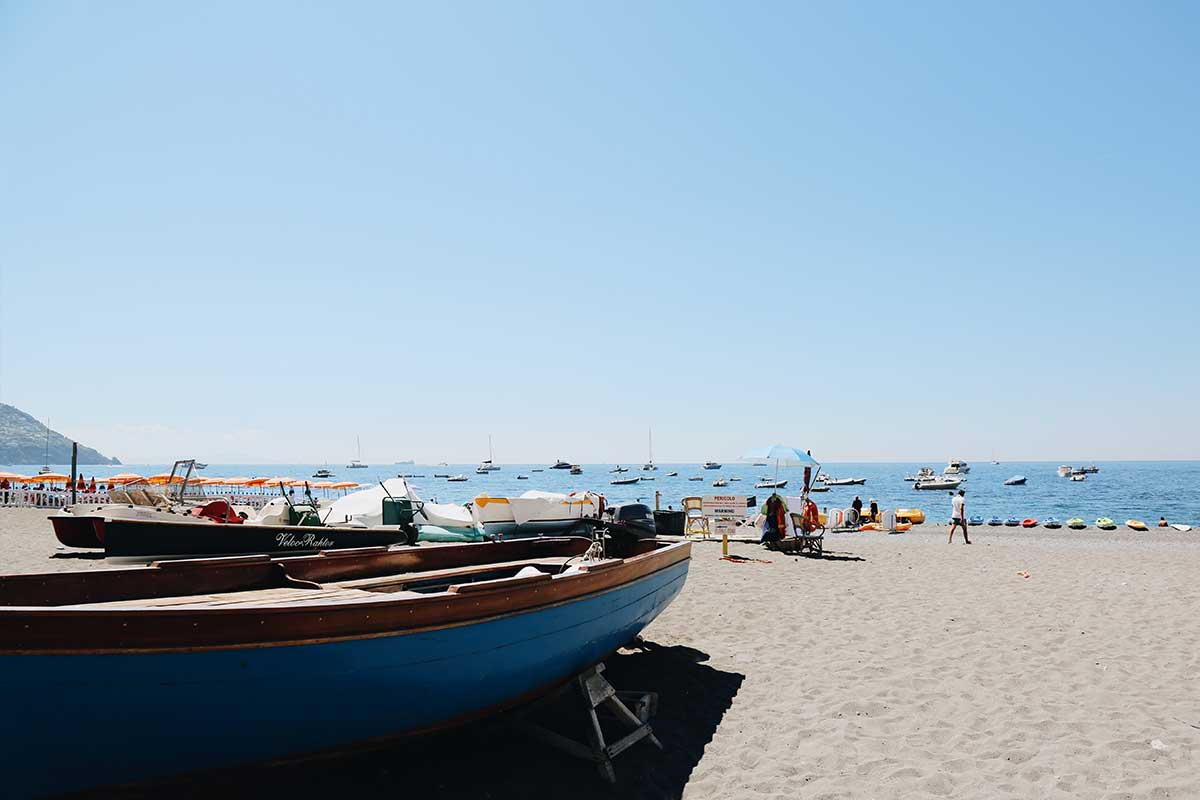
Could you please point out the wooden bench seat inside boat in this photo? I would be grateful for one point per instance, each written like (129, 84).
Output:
(373, 589)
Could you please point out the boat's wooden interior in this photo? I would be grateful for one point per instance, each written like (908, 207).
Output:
(364, 574)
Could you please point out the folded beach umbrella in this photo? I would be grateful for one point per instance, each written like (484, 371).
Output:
(782, 454)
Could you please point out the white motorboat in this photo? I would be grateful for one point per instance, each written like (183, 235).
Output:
(493, 514)
(323, 473)
(618, 468)
(1078, 476)
(766, 483)
(845, 481)
(1015, 480)
(460, 478)
(696, 478)
(956, 467)
(560, 464)
(923, 474)
(711, 465)
(576, 469)
(1089, 470)
(1064, 471)
(624, 481)
(735, 478)
(547, 512)
(672, 474)
(720, 482)
(938, 483)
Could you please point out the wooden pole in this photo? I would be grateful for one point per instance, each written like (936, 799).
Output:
(657, 499)
(74, 466)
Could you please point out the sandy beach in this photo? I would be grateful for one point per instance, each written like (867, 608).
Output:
(896, 666)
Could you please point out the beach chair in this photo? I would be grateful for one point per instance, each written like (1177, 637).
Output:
(140, 498)
(695, 521)
(801, 542)
(119, 496)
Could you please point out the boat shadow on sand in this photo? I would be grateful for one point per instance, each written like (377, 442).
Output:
(494, 760)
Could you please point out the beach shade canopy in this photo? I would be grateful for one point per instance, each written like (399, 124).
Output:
(238, 480)
(50, 477)
(783, 455)
(278, 480)
(298, 482)
(121, 477)
(163, 478)
(322, 485)
(343, 485)
(12, 476)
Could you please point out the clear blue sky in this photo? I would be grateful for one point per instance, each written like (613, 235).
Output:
(249, 231)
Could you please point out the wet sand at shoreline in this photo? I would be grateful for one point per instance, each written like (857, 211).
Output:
(897, 666)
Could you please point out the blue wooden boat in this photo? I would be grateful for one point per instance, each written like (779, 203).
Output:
(1012, 522)
(118, 676)
(995, 521)
(976, 520)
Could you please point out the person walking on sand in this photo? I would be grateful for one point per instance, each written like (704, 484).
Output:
(958, 515)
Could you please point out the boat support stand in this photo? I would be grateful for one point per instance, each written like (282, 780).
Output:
(594, 692)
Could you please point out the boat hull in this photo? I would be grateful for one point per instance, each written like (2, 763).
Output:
(136, 716)
(76, 530)
(128, 539)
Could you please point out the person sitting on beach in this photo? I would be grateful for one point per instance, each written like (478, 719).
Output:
(1162, 522)
(874, 511)
(958, 515)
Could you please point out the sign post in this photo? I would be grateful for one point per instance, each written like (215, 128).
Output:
(723, 512)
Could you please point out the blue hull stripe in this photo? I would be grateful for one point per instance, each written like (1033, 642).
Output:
(84, 720)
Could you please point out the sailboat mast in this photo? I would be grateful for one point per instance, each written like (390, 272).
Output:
(46, 462)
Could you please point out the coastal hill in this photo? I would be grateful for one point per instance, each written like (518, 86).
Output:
(23, 441)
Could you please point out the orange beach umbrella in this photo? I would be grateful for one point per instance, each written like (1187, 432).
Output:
(50, 477)
(12, 476)
(343, 485)
(163, 478)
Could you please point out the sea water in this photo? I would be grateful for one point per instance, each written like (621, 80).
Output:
(1121, 490)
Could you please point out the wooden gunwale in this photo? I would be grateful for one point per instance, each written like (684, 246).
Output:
(63, 631)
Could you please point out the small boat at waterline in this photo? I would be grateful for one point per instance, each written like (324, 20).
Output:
(168, 662)
(769, 484)
(1076, 524)
(1136, 525)
(625, 481)
(845, 481)
(1053, 523)
(994, 521)
(1015, 480)
(1030, 522)
(1012, 522)
(1106, 524)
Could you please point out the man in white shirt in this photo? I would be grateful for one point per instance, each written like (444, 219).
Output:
(958, 515)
